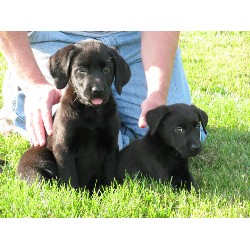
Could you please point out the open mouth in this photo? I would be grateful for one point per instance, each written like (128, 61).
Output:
(92, 101)
(97, 101)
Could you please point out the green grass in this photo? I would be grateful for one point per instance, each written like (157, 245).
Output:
(217, 68)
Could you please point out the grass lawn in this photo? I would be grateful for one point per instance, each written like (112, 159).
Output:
(217, 68)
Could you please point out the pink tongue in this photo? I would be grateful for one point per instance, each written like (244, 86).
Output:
(97, 101)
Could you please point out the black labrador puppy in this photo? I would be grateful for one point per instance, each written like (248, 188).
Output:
(174, 135)
(83, 147)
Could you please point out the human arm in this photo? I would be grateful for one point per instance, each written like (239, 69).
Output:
(158, 53)
(40, 95)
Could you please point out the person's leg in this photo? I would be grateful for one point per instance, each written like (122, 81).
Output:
(128, 44)
(9, 93)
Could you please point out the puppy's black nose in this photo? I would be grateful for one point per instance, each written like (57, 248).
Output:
(98, 90)
(195, 147)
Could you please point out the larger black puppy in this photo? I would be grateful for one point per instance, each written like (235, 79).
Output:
(163, 153)
(83, 147)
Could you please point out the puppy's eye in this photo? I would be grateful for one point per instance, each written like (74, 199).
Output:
(82, 69)
(178, 130)
(106, 70)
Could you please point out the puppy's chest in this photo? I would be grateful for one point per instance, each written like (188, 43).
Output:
(87, 129)
(95, 138)
(94, 121)
(172, 164)
(96, 118)
(98, 129)
(162, 162)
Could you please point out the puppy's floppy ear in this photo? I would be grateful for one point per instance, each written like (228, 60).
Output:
(122, 70)
(155, 116)
(202, 117)
(59, 65)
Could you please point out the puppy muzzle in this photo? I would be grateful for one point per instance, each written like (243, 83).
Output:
(190, 150)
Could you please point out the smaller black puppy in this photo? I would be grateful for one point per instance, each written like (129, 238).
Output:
(163, 153)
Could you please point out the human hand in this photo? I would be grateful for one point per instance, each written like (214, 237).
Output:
(154, 100)
(38, 110)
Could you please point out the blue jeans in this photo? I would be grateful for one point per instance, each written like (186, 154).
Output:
(128, 44)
